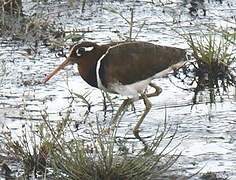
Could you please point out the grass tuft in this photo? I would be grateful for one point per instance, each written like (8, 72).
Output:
(212, 65)
(56, 150)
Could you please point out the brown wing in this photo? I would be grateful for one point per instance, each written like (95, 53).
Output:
(131, 62)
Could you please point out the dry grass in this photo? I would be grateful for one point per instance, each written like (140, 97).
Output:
(55, 150)
(103, 157)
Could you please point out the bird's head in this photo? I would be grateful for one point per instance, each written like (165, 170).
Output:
(77, 52)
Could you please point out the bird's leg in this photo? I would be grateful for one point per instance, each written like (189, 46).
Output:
(121, 110)
(106, 95)
(133, 107)
(148, 106)
(104, 102)
(157, 91)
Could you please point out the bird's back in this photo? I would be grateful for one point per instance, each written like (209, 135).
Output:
(131, 62)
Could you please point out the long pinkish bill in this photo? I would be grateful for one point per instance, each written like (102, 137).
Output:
(55, 71)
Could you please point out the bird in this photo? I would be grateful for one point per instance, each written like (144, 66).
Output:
(124, 68)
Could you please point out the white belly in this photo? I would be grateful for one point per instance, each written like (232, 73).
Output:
(131, 89)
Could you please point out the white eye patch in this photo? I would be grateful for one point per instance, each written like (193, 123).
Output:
(80, 51)
(88, 49)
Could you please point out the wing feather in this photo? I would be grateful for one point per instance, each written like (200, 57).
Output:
(128, 63)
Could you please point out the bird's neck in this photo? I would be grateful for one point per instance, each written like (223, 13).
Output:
(87, 66)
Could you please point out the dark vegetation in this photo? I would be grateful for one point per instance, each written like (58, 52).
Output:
(212, 65)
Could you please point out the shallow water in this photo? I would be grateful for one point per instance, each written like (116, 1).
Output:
(207, 132)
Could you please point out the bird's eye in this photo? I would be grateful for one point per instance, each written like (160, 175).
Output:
(80, 51)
